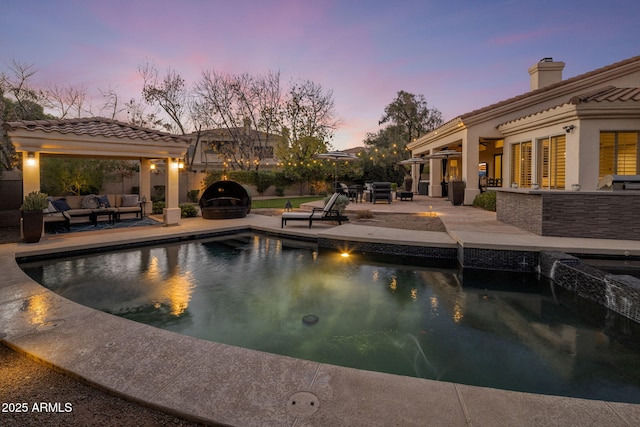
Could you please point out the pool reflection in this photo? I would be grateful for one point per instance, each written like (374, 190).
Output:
(498, 330)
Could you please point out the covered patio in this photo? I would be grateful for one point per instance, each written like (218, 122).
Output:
(100, 138)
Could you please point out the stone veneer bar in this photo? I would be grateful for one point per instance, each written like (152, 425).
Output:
(590, 214)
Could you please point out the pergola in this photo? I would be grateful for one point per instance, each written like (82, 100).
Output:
(97, 137)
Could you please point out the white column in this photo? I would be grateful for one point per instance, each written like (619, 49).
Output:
(171, 212)
(435, 178)
(145, 185)
(470, 160)
(30, 173)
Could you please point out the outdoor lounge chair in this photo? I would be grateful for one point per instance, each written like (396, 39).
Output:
(318, 214)
(381, 191)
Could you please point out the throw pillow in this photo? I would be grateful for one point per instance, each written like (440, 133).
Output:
(129, 200)
(104, 200)
(50, 208)
(90, 202)
(60, 205)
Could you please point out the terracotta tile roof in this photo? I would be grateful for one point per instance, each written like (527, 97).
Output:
(609, 94)
(96, 127)
(551, 87)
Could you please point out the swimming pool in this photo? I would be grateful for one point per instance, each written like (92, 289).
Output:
(491, 329)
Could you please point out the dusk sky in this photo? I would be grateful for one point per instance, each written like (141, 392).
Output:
(461, 55)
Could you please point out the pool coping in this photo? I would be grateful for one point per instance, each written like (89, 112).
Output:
(221, 384)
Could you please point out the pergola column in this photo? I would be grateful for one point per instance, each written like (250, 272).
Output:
(30, 172)
(171, 212)
(145, 185)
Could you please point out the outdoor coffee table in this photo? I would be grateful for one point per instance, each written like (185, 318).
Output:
(404, 195)
(96, 213)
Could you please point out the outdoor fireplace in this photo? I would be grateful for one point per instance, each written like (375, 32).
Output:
(225, 199)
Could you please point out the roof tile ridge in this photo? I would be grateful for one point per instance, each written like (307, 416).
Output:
(552, 86)
(585, 97)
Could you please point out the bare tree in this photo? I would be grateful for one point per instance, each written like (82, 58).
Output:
(168, 92)
(310, 111)
(245, 112)
(110, 107)
(67, 101)
(18, 101)
(16, 86)
(137, 115)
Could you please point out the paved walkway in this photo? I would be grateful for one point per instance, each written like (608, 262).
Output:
(218, 383)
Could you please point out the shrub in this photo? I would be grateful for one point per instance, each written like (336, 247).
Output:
(340, 204)
(364, 214)
(192, 195)
(263, 181)
(486, 201)
(158, 206)
(35, 201)
(188, 211)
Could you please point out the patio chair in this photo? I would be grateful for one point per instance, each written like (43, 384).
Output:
(381, 191)
(318, 214)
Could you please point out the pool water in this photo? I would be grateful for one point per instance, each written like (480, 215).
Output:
(508, 331)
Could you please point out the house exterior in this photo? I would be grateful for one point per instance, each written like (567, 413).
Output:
(560, 135)
(549, 151)
(234, 148)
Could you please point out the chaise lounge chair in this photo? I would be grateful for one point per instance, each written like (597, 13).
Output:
(318, 214)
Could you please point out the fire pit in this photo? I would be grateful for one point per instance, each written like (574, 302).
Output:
(225, 199)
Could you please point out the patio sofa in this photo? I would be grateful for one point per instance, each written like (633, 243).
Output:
(78, 209)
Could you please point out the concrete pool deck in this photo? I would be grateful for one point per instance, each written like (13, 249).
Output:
(221, 384)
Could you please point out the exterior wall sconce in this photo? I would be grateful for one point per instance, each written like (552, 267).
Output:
(31, 159)
(177, 163)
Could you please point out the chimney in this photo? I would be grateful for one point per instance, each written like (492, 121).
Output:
(545, 73)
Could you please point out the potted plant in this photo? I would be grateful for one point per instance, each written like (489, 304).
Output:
(33, 216)
(340, 204)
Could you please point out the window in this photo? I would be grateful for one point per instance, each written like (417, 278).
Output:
(262, 151)
(551, 162)
(497, 166)
(618, 153)
(521, 163)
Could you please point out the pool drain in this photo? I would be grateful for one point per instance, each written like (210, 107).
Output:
(310, 319)
(303, 404)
